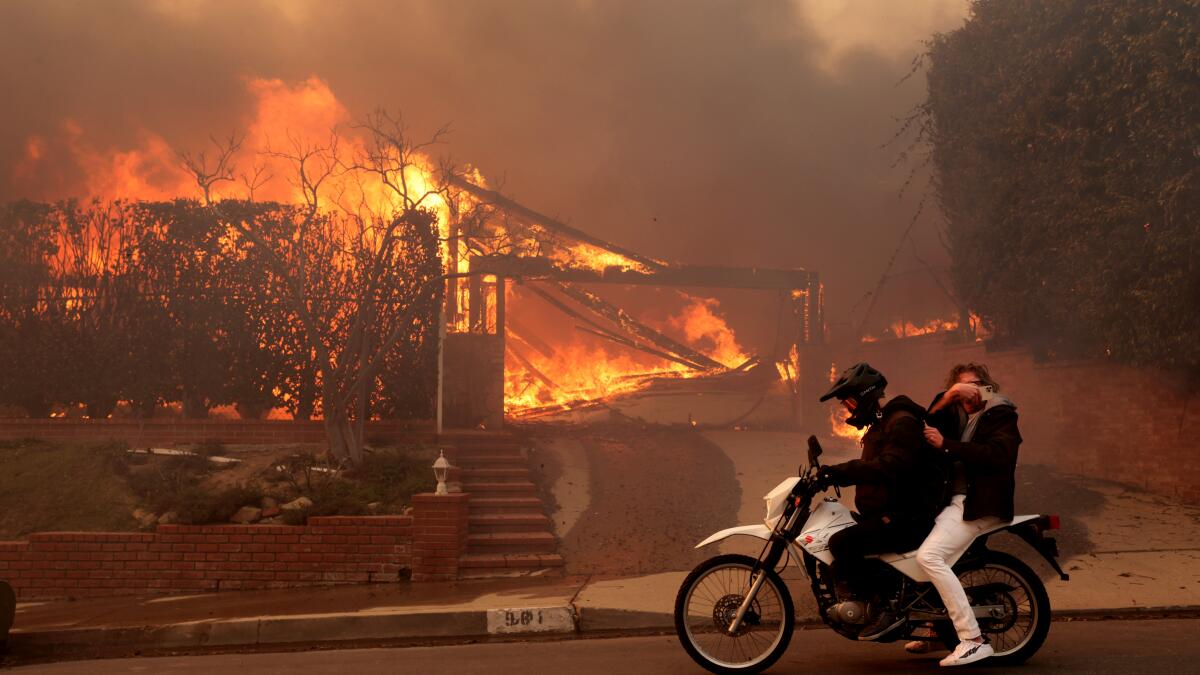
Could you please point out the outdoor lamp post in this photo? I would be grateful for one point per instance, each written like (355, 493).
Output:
(441, 468)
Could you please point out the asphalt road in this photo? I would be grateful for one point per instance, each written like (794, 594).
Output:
(1094, 647)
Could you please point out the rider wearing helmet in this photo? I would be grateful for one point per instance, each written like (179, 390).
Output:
(900, 481)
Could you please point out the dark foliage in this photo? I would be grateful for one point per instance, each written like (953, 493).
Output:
(153, 302)
(1066, 141)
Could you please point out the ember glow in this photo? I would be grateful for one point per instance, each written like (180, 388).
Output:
(583, 367)
(906, 329)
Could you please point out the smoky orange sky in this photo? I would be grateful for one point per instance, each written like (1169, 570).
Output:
(712, 132)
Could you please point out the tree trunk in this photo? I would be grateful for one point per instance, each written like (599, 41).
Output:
(252, 410)
(306, 396)
(194, 405)
(101, 407)
(341, 439)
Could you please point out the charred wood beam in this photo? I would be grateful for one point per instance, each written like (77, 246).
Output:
(597, 329)
(530, 339)
(550, 224)
(634, 345)
(530, 368)
(565, 308)
(634, 327)
(750, 278)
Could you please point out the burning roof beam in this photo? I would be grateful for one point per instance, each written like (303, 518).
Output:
(619, 317)
(550, 224)
(532, 369)
(634, 345)
(695, 276)
(596, 329)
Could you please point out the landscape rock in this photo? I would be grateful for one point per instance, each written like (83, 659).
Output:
(145, 518)
(374, 507)
(297, 504)
(246, 515)
(270, 521)
(168, 518)
(270, 512)
(269, 503)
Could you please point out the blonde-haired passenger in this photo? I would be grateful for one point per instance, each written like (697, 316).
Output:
(976, 427)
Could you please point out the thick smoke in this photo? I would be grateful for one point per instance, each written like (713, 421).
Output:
(740, 133)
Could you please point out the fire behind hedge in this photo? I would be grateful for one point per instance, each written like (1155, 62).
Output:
(158, 302)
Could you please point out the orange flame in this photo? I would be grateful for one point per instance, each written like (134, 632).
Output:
(839, 428)
(589, 368)
(702, 325)
(292, 117)
(906, 329)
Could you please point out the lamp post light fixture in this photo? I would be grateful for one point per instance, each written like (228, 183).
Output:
(441, 469)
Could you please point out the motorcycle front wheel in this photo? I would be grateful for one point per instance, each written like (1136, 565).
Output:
(709, 599)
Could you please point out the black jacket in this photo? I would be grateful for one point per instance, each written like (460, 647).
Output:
(900, 475)
(989, 458)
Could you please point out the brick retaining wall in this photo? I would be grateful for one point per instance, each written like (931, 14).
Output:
(188, 558)
(161, 431)
(439, 535)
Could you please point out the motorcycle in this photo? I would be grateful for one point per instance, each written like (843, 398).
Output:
(734, 614)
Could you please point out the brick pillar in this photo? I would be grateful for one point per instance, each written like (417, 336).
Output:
(439, 535)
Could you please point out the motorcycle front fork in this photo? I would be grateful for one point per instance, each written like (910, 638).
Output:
(767, 560)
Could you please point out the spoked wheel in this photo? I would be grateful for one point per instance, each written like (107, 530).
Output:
(1022, 619)
(709, 600)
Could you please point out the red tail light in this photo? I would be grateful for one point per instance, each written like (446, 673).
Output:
(1052, 522)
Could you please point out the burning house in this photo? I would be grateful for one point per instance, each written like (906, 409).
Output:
(502, 356)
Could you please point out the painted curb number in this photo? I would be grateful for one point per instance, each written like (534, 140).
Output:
(531, 620)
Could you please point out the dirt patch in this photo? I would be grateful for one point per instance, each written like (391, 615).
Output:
(654, 492)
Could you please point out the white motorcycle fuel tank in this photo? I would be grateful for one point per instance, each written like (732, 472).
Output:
(827, 519)
(831, 517)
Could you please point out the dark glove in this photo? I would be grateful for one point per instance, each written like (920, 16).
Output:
(827, 476)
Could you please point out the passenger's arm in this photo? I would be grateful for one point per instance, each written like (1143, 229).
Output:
(997, 452)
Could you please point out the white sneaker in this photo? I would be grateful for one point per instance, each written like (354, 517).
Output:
(966, 652)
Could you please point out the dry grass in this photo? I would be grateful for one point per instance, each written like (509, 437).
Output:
(46, 486)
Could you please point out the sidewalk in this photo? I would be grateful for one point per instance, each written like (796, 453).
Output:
(1118, 585)
(1128, 553)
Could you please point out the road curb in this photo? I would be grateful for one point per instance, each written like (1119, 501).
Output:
(281, 631)
(308, 628)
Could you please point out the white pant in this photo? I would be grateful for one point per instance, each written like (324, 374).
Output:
(949, 539)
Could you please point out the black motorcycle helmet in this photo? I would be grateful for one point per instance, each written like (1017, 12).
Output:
(865, 385)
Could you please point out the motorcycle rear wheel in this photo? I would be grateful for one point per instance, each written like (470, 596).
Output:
(1027, 623)
(708, 600)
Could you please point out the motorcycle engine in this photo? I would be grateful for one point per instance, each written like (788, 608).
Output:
(848, 612)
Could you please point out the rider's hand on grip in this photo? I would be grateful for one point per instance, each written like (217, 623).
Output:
(826, 478)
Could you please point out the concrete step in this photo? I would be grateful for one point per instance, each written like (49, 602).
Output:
(494, 565)
(489, 489)
(496, 475)
(475, 465)
(509, 522)
(485, 460)
(511, 542)
(507, 504)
